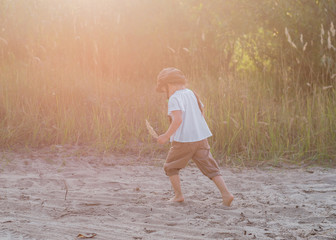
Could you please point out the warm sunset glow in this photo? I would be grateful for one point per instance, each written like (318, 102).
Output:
(167, 119)
(84, 72)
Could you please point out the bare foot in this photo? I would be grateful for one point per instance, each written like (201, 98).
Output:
(177, 199)
(227, 200)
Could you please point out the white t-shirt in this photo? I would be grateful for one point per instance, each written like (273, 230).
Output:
(193, 127)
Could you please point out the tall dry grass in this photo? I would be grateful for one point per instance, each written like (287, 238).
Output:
(250, 123)
(74, 72)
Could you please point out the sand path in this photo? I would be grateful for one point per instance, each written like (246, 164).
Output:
(59, 196)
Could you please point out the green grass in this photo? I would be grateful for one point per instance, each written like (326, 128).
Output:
(249, 122)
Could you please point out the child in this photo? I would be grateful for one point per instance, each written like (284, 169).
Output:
(188, 133)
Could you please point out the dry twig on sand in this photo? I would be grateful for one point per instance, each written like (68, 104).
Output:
(66, 189)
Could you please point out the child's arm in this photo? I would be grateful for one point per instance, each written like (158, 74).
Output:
(175, 124)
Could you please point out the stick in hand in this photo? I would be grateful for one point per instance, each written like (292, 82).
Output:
(151, 130)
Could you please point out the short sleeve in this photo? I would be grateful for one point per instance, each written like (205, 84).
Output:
(174, 105)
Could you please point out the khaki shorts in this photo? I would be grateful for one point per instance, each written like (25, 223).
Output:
(180, 153)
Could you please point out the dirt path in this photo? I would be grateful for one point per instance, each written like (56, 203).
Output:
(59, 196)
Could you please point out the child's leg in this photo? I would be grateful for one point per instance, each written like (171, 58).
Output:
(178, 157)
(175, 182)
(226, 195)
(209, 167)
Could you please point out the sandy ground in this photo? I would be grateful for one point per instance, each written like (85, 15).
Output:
(60, 195)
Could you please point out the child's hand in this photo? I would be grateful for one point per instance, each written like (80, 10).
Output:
(174, 125)
(162, 139)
